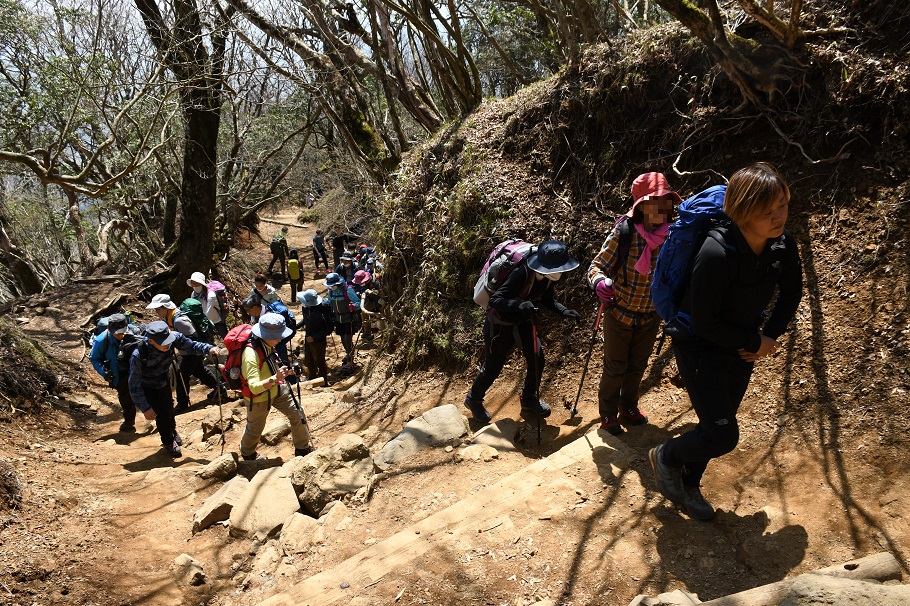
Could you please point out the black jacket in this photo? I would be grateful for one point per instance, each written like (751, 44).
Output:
(521, 286)
(731, 286)
(319, 321)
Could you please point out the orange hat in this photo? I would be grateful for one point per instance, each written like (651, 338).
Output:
(651, 184)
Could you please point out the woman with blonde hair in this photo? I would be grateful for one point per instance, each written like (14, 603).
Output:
(734, 276)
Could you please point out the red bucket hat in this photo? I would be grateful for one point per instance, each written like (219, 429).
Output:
(651, 184)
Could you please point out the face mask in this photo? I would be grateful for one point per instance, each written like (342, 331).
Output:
(553, 277)
(197, 289)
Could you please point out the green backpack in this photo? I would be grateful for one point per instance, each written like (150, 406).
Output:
(205, 330)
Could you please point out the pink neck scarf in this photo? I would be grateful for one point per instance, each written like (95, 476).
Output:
(653, 239)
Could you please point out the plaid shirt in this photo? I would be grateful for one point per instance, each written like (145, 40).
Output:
(632, 290)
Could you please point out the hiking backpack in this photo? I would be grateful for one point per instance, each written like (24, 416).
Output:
(192, 309)
(294, 269)
(697, 216)
(278, 243)
(235, 341)
(220, 291)
(502, 261)
(277, 307)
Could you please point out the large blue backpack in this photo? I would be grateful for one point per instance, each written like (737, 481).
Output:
(697, 215)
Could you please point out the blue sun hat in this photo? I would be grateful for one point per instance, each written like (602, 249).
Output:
(272, 327)
(309, 298)
(333, 279)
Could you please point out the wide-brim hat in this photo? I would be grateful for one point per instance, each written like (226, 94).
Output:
(198, 277)
(161, 300)
(333, 279)
(158, 332)
(309, 298)
(361, 276)
(347, 256)
(272, 327)
(651, 184)
(552, 257)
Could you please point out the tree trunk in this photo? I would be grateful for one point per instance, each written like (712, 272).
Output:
(90, 260)
(202, 117)
(23, 273)
(754, 68)
(169, 229)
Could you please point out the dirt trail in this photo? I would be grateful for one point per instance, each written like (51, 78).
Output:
(105, 513)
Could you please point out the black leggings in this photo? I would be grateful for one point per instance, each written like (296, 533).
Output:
(716, 381)
(499, 340)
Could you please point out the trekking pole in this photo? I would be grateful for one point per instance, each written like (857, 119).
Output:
(220, 412)
(536, 376)
(573, 410)
(294, 399)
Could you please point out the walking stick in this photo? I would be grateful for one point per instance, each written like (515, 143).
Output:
(220, 413)
(536, 375)
(573, 410)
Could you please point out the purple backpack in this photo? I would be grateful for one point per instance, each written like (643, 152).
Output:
(505, 257)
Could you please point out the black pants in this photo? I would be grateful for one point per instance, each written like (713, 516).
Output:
(336, 257)
(499, 340)
(192, 366)
(221, 329)
(716, 381)
(314, 360)
(296, 285)
(317, 253)
(163, 404)
(125, 399)
(276, 258)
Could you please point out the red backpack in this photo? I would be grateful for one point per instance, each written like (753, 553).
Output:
(235, 341)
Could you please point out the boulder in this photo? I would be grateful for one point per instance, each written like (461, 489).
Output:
(218, 506)
(353, 395)
(220, 469)
(249, 469)
(213, 422)
(297, 533)
(500, 435)
(436, 426)
(276, 429)
(670, 598)
(817, 589)
(478, 452)
(265, 505)
(331, 473)
(187, 570)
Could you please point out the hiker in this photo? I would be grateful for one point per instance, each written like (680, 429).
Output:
(265, 374)
(630, 324)
(511, 321)
(190, 365)
(264, 290)
(370, 304)
(215, 307)
(338, 242)
(114, 368)
(319, 252)
(295, 274)
(257, 307)
(345, 303)
(347, 267)
(319, 321)
(149, 378)
(279, 249)
(733, 278)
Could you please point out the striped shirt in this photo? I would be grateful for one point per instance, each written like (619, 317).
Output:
(632, 290)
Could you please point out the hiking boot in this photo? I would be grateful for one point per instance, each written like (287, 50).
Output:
(127, 427)
(611, 424)
(253, 457)
(477, 409)
(173, 450)
(696, 505)
(668, 479)
(302, 452)
(632, 416)
(181, 408)
(177, 439)
(533, 407)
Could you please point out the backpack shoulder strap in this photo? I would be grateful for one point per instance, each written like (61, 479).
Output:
(625, 242)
